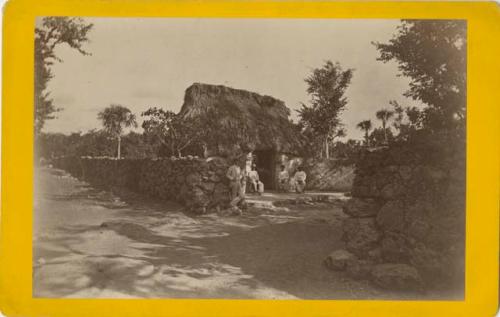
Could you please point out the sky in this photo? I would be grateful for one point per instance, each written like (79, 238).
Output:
(141, 63)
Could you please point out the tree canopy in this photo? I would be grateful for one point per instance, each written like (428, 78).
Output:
(114, 119)
(406, 119)
(52, 32)
(326, 86)
(432, 53)
(366, 126)
(169, 132)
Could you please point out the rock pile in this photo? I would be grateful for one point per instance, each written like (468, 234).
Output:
(199, 184)
(406, 220)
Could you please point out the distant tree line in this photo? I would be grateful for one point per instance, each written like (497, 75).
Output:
(165, 134)
(94, 143)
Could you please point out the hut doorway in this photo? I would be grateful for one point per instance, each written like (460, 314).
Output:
(264, 160)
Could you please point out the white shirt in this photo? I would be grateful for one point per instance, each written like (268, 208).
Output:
(234, 173)
(300, 176)
(253, 175)
(284, 175)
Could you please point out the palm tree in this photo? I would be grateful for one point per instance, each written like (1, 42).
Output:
(366, 126)
(384, 115)
(114, 119)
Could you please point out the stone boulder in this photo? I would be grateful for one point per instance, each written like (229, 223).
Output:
(360, 269)
(365, 186)
(303, 200)
(391, 216)
(193, 179)
(221, 194)
(419, 229)
(375, 255)
(437, 267)
(402, 277)
(405, 172)
(392, 190)
(395, 248)
(360, 235)
(340, 259)
(197, 201)
(361, 207)
(231, 211)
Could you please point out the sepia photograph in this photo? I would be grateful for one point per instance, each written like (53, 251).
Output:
(249, 158)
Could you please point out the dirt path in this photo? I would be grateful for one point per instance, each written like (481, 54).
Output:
(90, 243)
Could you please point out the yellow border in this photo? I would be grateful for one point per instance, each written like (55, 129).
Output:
(483, 169)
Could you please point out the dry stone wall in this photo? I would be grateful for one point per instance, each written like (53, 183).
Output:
(329, 175)
(199, 184)
(406, 224)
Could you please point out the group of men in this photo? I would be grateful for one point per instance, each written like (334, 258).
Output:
(238, 181)
(297, 182)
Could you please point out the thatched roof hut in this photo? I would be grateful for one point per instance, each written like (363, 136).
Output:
(265, 119)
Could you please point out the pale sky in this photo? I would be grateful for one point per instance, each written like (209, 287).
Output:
(141, 63)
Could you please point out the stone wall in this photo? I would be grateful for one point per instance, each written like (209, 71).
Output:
(199, 184)
(329, 175)
(406, 224)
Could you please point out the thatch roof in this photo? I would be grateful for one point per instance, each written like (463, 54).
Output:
(266, 118)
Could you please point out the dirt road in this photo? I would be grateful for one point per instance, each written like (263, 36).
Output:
(90, 243)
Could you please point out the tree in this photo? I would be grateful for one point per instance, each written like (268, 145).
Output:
(380, 137)
(52, 145)
(164, 128)
(432, 53)
(326, 86)
(340, 132)
(134, 145)
(312, 146)
(347, 151)
(114, 119)
(366, 126)
(384, 115)
(95, 143)
(52, 32)
(406, 120)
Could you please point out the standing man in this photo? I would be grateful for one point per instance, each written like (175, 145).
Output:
(235, 176)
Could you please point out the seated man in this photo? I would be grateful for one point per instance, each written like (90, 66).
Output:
(257, 185)
(300, 180)
(284, 179)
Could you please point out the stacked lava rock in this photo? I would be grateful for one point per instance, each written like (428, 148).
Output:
(199, 184)
(406, 221)
(329, 174)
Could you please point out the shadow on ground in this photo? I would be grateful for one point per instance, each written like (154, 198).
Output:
(91, 243)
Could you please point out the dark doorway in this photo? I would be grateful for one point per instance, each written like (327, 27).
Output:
(264, 161)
